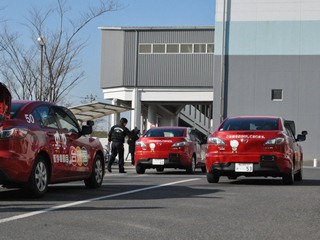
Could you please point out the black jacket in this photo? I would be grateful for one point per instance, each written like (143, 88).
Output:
(118, 133)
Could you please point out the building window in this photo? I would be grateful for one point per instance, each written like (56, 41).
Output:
(199, 48)
(172, 48)
(210, 48)
(145, 48)
(159, 48)
(276, 95)
(156, 48)
(186, 48)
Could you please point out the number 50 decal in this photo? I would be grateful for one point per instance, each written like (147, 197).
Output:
(29, 118)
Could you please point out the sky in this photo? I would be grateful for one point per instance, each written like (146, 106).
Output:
(132, 13)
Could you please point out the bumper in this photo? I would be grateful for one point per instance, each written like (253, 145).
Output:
(263, 165)
(172, 160)
(14, 169)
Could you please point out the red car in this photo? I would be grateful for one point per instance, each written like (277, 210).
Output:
(255, 146)
(170, 147)
(41, 143)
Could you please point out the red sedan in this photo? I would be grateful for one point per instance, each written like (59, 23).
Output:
(255, 146)
(170, 147)
(41, 143)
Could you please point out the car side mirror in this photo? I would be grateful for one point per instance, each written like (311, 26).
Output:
(86, 130)
(301, 137)
(304, 132)
(90, 123)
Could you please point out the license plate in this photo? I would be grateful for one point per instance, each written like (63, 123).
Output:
(244, 167)
(157, 161)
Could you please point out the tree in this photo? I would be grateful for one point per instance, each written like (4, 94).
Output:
(51, 76)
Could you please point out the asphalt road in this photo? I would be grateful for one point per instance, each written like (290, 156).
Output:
(169, 205)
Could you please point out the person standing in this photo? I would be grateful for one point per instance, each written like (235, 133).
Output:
(117, 136)
(133, 137)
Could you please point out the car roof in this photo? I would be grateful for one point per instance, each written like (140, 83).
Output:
(257, 117)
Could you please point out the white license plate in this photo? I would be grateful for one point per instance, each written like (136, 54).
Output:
(157, 161)
(244, 167)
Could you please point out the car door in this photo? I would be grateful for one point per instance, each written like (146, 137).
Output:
(196, 143)
(295, 148)
(73, 144)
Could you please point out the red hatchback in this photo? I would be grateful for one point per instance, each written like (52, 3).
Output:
(170, 147)
(41, 143)
(255, 146)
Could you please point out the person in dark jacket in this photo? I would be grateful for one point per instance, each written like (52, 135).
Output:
(133, 137)
(117, 136)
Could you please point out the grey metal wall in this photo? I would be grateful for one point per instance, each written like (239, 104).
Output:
(119, 59)
(112, 58)
(249, 80)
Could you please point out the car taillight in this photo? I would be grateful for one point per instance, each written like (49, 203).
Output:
(13, 133)
(216, 141)
(141, 144)
(179, 144)
(275, 141)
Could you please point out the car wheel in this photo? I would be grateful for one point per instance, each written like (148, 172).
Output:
(192, 168)
(38, 182)
(96, 178)
(298, 175)
(213, 177)
(288, 179)
(160, 169)
(140, 169)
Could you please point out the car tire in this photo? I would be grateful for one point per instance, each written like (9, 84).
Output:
(192, 168)
(288, 179)
(213, 177)
(160, 169)
(298, 175)
(140, 169)
(38, 181)
(96, 178)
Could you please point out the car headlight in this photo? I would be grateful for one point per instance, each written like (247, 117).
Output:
(16, 132)
(275, 141)
(216, 141)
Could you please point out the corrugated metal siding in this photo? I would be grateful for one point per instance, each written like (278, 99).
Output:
(112, 52)
(177, 36)
(129, 59)
(176, 70)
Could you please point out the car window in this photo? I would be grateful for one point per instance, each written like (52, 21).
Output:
(252, 124)
(290, 127)
(15, 108)
(66, 121)
(155, 132)
(46, 116)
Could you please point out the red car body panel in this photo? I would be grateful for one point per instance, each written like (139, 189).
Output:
(149, 147)
(227, 147)
(69, 154)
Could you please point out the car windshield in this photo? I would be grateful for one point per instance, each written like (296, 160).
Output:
(15, 108)
(165, 132)
(252, 124)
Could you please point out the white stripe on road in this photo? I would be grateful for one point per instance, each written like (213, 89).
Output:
(26, 215)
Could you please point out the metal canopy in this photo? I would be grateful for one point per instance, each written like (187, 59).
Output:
(90, 111)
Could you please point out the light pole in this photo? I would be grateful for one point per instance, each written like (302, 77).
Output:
(41, 43)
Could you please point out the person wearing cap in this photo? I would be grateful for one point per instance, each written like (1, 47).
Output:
(117, 136)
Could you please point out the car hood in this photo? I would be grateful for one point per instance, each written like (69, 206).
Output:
(5, 103)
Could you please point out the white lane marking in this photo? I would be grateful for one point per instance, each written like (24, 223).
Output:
(30, 214)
